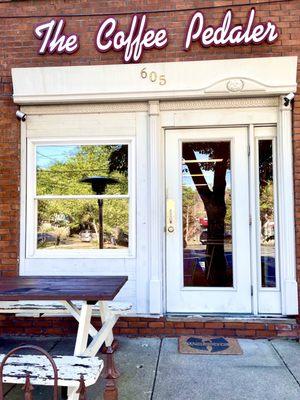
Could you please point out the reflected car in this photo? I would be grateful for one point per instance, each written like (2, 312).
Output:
(45, 237)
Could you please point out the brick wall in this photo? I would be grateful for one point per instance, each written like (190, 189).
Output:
(135, 326)
(18, 48)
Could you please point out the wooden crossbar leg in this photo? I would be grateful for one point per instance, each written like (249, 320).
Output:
(81, 339)
(106, 314)
(110, 344)
(75, 312)
(83, 329)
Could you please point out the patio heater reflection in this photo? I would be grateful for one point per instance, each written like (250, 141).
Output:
(99, 184)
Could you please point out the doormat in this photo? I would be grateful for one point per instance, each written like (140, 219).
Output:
(208, 345)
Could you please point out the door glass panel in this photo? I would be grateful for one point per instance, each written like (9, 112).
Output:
(266, 210)
(206, 214)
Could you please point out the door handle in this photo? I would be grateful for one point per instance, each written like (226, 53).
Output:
(170, 216)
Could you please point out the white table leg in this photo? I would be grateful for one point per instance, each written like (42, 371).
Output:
(83, 329)
(75, 312)
(105, 315)
(81, 339)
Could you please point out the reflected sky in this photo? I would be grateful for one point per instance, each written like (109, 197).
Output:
(208, 175)
(49, 155)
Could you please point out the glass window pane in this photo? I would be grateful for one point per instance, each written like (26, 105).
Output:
(206, 221)
(61, 169)
(74, 224)
(266, 210)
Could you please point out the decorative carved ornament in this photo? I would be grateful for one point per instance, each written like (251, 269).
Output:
(235, 85)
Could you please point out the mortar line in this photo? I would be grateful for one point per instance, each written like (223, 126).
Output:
(285, 364)
(156, 369)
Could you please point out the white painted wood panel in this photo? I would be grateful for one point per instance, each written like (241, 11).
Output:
(80, 125)
(191, 79)
(225, 117)
(70, 369)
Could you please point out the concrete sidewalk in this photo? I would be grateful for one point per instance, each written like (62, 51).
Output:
(152, 369)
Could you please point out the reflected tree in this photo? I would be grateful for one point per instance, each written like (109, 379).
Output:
(214, 200)
(266, 181)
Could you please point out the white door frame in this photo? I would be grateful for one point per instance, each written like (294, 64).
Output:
(272, 112)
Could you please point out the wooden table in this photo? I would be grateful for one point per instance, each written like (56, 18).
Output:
(67, 289)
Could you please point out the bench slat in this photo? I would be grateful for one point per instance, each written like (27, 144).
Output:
(41, 373)
(55, 307)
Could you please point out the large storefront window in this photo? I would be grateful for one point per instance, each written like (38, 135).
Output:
(81, 198)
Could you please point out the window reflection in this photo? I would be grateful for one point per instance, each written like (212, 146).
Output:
(74, 224)
(266, 208)
(67, 216)
(206, 210)
(60, 169)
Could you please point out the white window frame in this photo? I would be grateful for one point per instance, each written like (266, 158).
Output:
(267, 133)
(31, 200)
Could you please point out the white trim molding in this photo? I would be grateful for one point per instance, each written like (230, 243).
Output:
(289, 288)
(155, 195)
(155, 81)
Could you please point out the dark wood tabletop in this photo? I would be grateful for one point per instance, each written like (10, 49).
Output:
(89, 288)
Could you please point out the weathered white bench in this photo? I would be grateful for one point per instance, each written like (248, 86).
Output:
(70, 370)
(57, 308)
(110, 311)
(47, 296)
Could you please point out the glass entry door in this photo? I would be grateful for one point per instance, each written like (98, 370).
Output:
(207, 221)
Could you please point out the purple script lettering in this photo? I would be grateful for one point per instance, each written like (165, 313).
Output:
(228, 35)
(53, 39)
(134, 42)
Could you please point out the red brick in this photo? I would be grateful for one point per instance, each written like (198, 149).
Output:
(225, 332)
(123, 324)
(246, 333)
(156, 324)
(196, 325)
(256, 326)
(147, 332)
(128, 331)
(179, 324)
(180, 331)
(205, 331)
(235, 325)
(138, 324)
(165, 332)
(264, 334)
(214, 325)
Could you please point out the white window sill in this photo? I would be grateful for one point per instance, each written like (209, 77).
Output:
(67, 254)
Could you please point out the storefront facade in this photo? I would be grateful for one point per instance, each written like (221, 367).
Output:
(197, 130)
